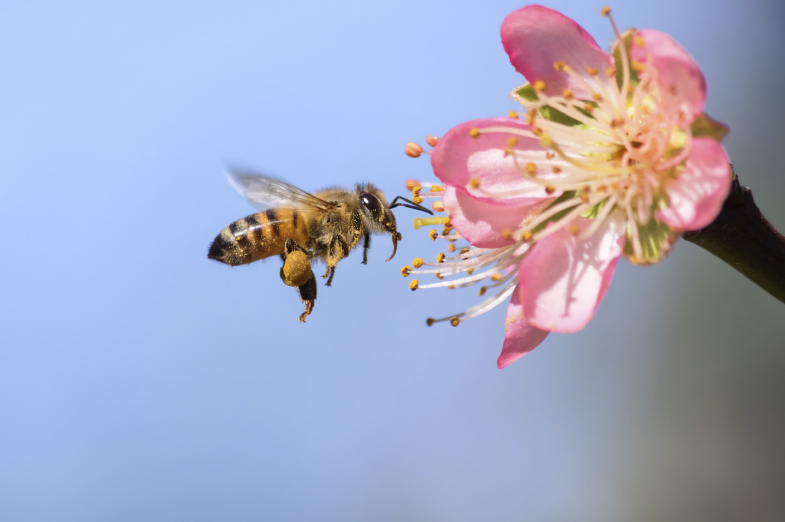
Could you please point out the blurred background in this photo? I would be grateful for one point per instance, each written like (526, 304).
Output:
(140, 381)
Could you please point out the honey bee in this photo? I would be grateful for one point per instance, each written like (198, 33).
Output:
(301, 227)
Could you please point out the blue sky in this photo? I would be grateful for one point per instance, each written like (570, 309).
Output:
(138, 380)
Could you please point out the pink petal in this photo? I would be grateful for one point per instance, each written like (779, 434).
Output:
(519, 336)
(482, 223)
(564, 278)
(535, 37)
(458, 159)
(681, 81)
(697, 195)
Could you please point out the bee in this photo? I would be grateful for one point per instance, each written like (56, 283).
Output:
(301, 228)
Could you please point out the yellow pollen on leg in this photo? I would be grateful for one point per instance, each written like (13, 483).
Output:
(413, 285)
(496, 277)
(432, 140)
(474, 133)
(539, 86)
(512, 114)
(405, 271)
(454, 321)
(417, 263)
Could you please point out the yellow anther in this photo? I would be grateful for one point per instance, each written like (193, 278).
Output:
(417, 263)
(474, 183)
(413, 150)
(550, 189)
(592, 71)
(602, 189)
(411, 183)
(496, 277)
(450, 287)
(550, 155)
(432, 140)
(438, 275)
(433, 234)
(610, 72)
(454, 321)
(482, 291)
(530, 115)
(416, 190)
(512, 114)
(597, 96)
(584, 197)
(506, 233)
(605, 11)
(526, 236)
(639, 41)
(531, 169)
(417, 199)
(574, 229)
(567, 68)
(474, 133)
(638, 66)
(539, 86)
(413, 285)
(437, 188)
(469, 271)
(447, 224)
(437, 206)
(422, 222)
(558, 65)
(405, 271)
(556, 170)
(512, 142)
(451, 247)
(430, 321)
(537, 131)
(567, 94)
(464, 251)
(440, 257)
(588, 107)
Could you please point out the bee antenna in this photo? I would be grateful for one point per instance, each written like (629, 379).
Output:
(413, 205)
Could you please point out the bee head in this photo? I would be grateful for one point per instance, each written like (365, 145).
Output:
(377, 214)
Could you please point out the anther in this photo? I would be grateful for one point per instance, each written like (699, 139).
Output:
(433, 234)
(440, 257)
(470, 271)
(437, 188)
(550, 189)
(574, 229)
(496, 277)
(417, 200)
(526, 236)
(512, 114)
(432, 140)
(405, 271)
(639, 41)
(512, 142)
(605, 11)
(482, 291)
(531, 169)
(413, 284)
(430, 321)
(588, 107)
(537, 132)
(550, 155)
(539, 86)
(556, 170)
(437, 206)
(450, 287)
(454, 321)
(610, 72)
(506, 234)
(474, 133)
(597, 96)
(592, 71)
(638, 66)
(530, 115)
(567, 94)
(464, 251)
(558, 65)
(474, 183)
(438, 275)
(413, 150)
(411, 183)
(451, 247)
(417, 263)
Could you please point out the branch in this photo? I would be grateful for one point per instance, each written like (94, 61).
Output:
(743, 238)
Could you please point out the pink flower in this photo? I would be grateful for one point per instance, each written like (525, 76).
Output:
(614, 157)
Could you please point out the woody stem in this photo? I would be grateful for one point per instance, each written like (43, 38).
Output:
(744, 239)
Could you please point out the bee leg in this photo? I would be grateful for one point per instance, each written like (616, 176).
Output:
(308, 296)
(338, 250)
(366, 246)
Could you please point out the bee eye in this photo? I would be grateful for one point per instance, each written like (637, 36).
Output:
(372, 203)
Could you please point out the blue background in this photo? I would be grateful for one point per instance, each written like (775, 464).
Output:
(140, 381)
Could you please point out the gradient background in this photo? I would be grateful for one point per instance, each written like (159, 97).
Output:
(140, 381)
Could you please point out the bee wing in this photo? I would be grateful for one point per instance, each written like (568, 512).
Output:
(264, 192)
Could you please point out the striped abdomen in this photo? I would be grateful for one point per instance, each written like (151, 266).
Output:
(260, 235)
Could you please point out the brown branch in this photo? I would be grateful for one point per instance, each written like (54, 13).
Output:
(744, 239)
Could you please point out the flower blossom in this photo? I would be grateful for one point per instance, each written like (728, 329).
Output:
(612, 157)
